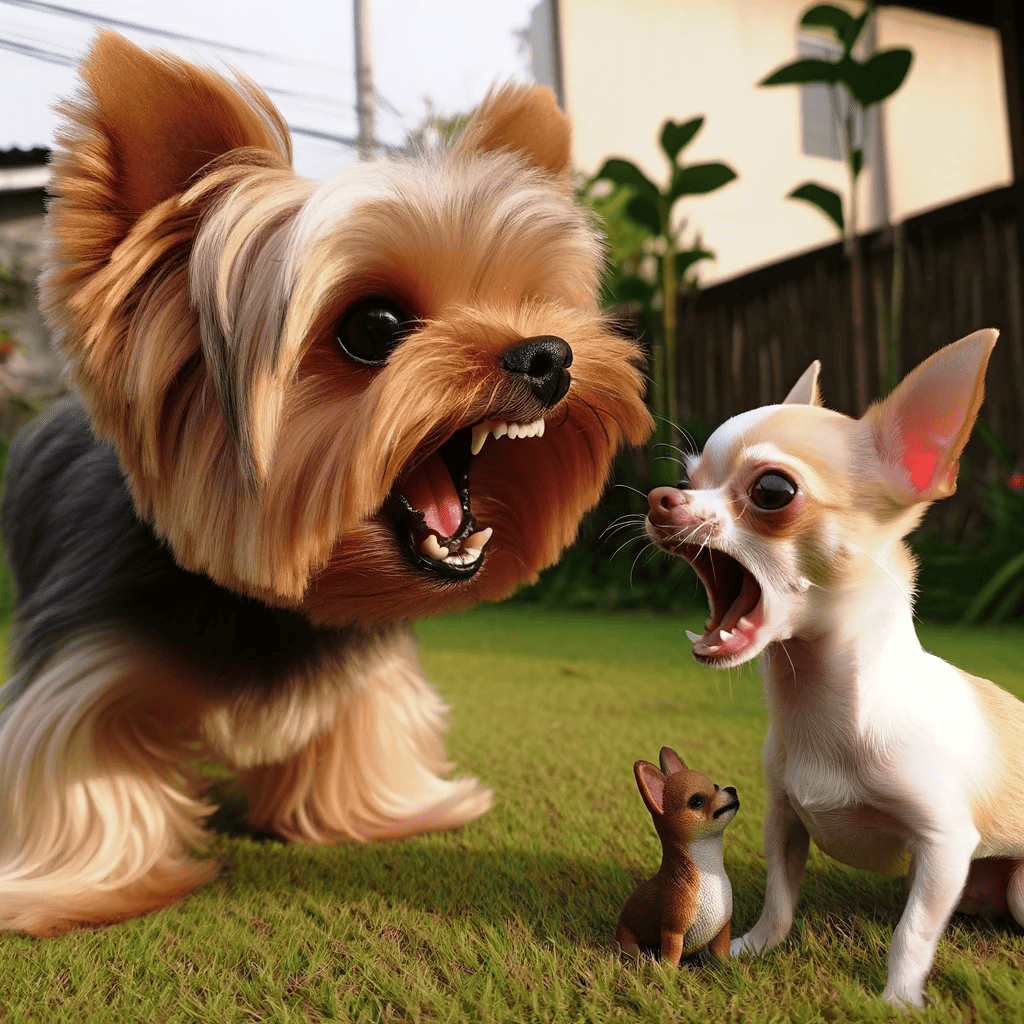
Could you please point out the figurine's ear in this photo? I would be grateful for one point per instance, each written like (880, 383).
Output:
(651, 784)
(805, 390)
(671, 762)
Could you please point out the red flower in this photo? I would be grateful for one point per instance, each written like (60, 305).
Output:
(1015, 481)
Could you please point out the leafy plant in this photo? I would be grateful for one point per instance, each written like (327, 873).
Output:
(985, 571)
(866, 84)
(1001, 596)
(652, 208)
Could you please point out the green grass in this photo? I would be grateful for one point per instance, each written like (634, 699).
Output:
(512, 917)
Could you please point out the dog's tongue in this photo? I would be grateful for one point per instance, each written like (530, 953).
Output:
(429, 488)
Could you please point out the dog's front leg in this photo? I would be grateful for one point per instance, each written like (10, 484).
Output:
(939, 872)
(374, 775)
(786, 843)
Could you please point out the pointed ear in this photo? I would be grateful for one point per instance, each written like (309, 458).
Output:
(526, 120)
(651, 784)
(919, 431)
(671, 762)
(805, 390)
(163, 119)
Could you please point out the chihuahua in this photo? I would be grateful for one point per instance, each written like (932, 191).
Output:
(890, 758)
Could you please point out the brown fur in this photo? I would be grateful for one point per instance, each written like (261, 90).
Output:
(661, 911)
(195, 285)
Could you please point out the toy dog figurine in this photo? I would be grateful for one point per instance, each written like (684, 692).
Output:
(793, 517)
(277, 460)
(687, 905)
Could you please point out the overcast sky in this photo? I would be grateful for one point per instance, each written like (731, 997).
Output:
(447, 51)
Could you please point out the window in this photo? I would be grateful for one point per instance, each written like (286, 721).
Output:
(823, 108)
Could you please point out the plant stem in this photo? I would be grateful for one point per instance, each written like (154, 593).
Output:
(860, 363)
(668, 287)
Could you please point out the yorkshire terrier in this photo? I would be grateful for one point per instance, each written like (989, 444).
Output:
(306, 414)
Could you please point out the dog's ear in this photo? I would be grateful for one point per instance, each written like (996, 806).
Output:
(651, 784)
(919, 431)
(805, 390)
(157, 120)
(671, 762)
(526, 120)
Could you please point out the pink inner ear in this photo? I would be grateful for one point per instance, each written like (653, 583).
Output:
(923, 451)
(652, 786)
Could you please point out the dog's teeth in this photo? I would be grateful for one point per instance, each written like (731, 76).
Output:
(501, 428)
(725, 634)
(692, 637)
(480, 434)
(745, 624)
(478, 540)
(430, 547)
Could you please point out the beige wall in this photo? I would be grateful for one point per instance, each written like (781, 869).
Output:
(946, 128)
(629, 64)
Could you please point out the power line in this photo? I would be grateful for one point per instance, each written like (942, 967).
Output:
(100, 19)
(52, 57)
(39, 5)
(34, 51)
(30, 49)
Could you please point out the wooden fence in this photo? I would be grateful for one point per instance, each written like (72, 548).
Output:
(743, 343)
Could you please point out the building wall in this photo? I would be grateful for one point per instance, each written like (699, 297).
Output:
(32, 364)
(947, 127)
(630, 65)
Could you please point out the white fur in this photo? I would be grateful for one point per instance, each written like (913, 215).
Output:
(879, 751)
(714, 895)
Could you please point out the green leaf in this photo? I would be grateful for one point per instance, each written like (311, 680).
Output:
(805, 71)
(857, 162)
(688, 257)
(992, 588)
(825, 199)
(675, 137)
(635, 289)
(829, 16)
(855, 29)
(847, 28)
(699, 179)
(625, 172)
(647, 214)
(994, 445)
(878, 78)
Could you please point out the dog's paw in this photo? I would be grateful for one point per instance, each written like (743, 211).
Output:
(745, 945)
(904, 998)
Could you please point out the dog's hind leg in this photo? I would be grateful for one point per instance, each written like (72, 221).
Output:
(374, 774)
(96, 818)
(1015, 892)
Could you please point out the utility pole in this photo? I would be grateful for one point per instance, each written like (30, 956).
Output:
(366, 95)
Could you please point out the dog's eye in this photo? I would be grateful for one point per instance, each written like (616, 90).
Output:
(372, 329)
(772, 492)
(684, 481)
(696, 801)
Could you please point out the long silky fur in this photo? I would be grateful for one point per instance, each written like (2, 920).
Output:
(201, 539)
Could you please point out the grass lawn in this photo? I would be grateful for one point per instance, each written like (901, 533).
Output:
(512, 917)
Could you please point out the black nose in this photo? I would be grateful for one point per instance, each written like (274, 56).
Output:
(544, 362)
(731, 790)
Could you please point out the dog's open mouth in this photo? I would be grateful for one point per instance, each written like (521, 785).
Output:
(735, 599)
(431, 504)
